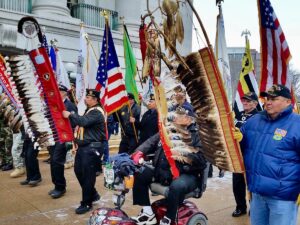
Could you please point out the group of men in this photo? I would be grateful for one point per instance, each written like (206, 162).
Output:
(270, 146)
(270, 143)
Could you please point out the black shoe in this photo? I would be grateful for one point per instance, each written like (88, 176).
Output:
(47, 160)
(7, 167)
(221, 173)
(96, 197)
(238, 213)
(51, 191)
(57, 193)
(83, 209)
(24, 182)
(98, 173)
(34, 182)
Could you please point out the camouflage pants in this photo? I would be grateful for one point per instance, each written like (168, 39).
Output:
(16, 150)
(5, 145)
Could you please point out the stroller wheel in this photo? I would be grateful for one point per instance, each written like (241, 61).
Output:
(198, 219)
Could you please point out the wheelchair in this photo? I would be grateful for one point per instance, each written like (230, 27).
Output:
(188, 212)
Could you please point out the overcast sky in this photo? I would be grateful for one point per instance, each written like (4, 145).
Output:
(243, 14)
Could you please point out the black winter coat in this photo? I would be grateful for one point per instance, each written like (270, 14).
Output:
(162, 171)
(124, 115)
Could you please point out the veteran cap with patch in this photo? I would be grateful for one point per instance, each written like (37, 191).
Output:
(277, 90)
(62, 88)
(251, 96)
(93, 93)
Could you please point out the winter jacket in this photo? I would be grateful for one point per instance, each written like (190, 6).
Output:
(272, 154)
(124, 115)
(162, 171)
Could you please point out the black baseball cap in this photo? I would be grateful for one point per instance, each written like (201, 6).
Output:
(62, 88)
(130, 96)
(93, 93)
(251, 96)
(152, 97)
(277, 90)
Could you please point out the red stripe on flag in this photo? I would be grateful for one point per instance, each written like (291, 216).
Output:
(115, 91)
(275, 59)
(115, 77)
(282, 38)
(98, 87)
(284, 71)
(286, 55)
(240, 88)
(264, 74)
(116, 105)
(277, 23)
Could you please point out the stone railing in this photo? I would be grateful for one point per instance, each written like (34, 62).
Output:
(23, 6)
(92, 15)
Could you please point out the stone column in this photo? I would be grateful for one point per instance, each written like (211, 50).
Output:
(131, 11)
(52, 8)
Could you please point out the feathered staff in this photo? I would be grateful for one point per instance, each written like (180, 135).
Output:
(199, 71)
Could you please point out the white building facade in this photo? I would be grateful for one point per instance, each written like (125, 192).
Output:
(61, 20)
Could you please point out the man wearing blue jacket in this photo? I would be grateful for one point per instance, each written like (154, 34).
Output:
(271, 145)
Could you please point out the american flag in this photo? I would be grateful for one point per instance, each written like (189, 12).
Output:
(274, 48)
(110, 79)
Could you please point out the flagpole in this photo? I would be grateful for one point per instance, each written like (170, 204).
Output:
(246, 33)
(122, 129)
(90, 44)
(200, 21)
(133, 125)
(139, 75)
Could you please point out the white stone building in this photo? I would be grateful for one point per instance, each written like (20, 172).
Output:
(62, 18)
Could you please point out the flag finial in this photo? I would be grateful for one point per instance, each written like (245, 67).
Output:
(104, 13)
(246, 32)
(218, 2)
(53, 42)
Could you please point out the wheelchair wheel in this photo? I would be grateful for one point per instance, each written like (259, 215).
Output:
(198, 219)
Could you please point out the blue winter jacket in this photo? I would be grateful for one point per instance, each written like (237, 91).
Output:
(272, 154)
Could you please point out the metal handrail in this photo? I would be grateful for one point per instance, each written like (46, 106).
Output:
(91, 15)
(24, 6)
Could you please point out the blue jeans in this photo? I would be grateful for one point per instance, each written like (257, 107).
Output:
(269, 211)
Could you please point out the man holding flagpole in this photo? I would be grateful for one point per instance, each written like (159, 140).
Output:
(270, 140)
(90, 139)
(129, 117)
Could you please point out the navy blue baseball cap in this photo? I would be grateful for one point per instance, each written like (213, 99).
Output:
(93, 93)
(62, 88)
(251, 96)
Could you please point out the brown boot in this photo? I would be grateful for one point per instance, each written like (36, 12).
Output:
(17, 172)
